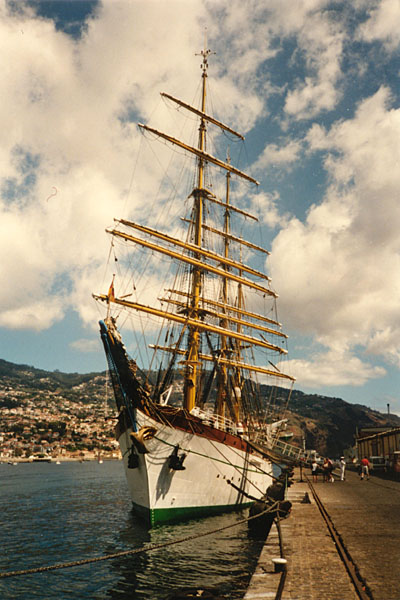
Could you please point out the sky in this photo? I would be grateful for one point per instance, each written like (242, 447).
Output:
(313, 85)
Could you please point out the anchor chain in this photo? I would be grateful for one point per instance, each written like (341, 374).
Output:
(149, 548)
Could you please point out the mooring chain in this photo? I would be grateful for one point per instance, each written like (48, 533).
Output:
(149, 548)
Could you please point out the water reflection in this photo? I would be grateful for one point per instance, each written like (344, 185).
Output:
(222, 562)
(53, 514)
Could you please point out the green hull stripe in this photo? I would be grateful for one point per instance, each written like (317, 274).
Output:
(157, 516)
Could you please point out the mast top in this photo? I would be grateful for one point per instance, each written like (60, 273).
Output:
(205, 54)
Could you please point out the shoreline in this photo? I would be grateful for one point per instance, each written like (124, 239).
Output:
(14, 461)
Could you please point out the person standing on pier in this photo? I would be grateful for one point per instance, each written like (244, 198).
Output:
(342, 465)
(314, 470)
(364, 468)
(327, 468)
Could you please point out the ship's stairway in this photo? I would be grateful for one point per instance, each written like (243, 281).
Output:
(278, 450)
(287, 451)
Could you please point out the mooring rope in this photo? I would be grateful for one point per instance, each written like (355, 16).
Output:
(150, 548)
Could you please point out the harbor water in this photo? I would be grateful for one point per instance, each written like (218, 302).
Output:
(58, 513)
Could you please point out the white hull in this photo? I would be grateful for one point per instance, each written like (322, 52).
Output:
(162, 494)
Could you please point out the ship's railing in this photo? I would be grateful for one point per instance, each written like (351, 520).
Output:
(217, 421)
(270, 441)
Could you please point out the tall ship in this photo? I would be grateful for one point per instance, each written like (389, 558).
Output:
(201, 421)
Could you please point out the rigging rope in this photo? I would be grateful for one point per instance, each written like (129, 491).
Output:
(149, 548)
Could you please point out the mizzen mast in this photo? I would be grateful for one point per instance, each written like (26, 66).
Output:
(222, 384)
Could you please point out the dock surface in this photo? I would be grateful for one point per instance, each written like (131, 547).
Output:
(366, 517)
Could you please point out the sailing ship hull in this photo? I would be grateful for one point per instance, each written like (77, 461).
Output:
(203, 487)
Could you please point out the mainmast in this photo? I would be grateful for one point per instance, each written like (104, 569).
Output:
(192, 363)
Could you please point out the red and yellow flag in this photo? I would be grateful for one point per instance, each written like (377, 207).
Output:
(111, 293)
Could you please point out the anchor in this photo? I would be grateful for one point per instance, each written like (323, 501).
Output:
(175, 461)
(133, 459)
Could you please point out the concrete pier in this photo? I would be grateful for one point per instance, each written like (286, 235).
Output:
(366, 514)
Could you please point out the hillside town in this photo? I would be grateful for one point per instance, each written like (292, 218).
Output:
(51, 415)
(43, 421)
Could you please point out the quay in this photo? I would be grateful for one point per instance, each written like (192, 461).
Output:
(366, 518)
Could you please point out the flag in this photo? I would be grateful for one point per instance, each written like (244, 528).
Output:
(111, 294)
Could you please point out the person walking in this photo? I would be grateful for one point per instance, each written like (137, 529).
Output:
(314, 471)
(327, 468)
(364, 468)
(330, 470)
(342, 465)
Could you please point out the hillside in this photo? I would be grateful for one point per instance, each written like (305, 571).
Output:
(29, 376)
(327, 424)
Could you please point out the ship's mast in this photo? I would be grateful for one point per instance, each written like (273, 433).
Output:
(222, 384)
(192, 364)
(237, 385)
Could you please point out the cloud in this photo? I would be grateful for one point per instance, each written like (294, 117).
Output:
(320, 42)
(265, 207)
(35, 315)
(257, 32)
(382, 24)
(282, 156)
(332, 368)
(338, 273)
(85, 345)
(68, 104)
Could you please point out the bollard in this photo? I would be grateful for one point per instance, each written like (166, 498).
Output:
(279, 564)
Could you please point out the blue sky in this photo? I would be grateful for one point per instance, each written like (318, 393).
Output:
(314, 85)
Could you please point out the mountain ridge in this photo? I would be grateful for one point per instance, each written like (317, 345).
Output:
(326, 424)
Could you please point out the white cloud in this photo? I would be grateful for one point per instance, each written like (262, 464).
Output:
(85, 345)
(252, 29)
(62, 100)
(339, 272)
(66, 104)
(383, 24)
(285, 155)
(332, 368)
(320, 43)
(265, 207)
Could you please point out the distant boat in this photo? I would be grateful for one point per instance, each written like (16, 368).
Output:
(194, 432)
